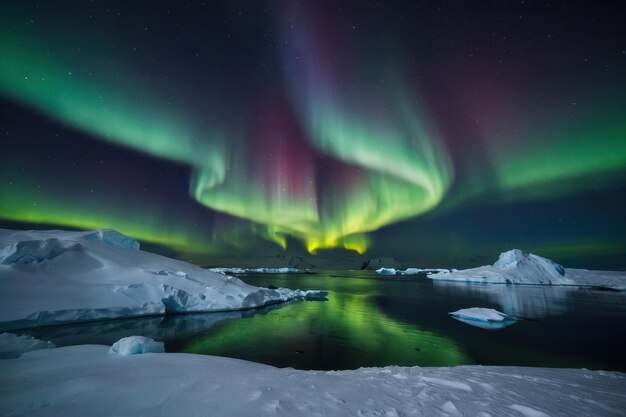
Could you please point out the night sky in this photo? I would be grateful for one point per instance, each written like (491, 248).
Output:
(440, 133)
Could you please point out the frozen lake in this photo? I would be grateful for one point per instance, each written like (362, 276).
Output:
(371, 320)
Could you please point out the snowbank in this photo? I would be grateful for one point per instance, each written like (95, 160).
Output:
(53, 277)
(235, 270)
(516, 267)
(408, 271)
(485, 318)
(12, 345)
(89, 381)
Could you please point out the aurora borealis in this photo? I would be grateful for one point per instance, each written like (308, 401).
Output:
(429, 131)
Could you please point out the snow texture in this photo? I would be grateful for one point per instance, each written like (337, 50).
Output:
(136, 345)
(486, 318)
(53, 277)
(235, 270)
(12, 346)
(516, 267)
(89, 381)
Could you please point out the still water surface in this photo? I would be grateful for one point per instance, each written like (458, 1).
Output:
(371, 320)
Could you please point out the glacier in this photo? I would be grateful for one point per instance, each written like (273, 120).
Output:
(55, 277)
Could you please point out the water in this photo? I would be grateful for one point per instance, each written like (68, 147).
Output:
(371, 320)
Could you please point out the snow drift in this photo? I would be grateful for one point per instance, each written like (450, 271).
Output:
(54, 277)
(89, 381)
(516, 267)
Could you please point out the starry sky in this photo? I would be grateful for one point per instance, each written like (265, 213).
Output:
(436, 132)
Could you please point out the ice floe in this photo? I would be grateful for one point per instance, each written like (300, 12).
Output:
(54, 277)
(485, 318)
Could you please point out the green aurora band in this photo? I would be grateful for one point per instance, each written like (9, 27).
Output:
(383, 191)
(389, 160)
(19, 203)
(564, 159)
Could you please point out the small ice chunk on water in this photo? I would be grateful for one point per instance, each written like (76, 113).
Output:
(136, 345)
(485, 318)
(386, 271)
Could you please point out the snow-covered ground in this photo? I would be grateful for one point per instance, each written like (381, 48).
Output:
(516, 267)
(90, 380)
(12, 345)
(53, 277)
(235, 270)
(485, 318)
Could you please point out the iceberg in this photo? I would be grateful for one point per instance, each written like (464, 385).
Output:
(485, 318)
(136, 345)
(386, 271)
(516, 267)
(54, 277)
(89, 381)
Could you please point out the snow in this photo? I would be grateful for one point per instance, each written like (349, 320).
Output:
(89, 381)
(236, 270)
(516, 267)
(408, 271)
(12, 345)
(53, 277)
(486, 318)
(136, 345)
